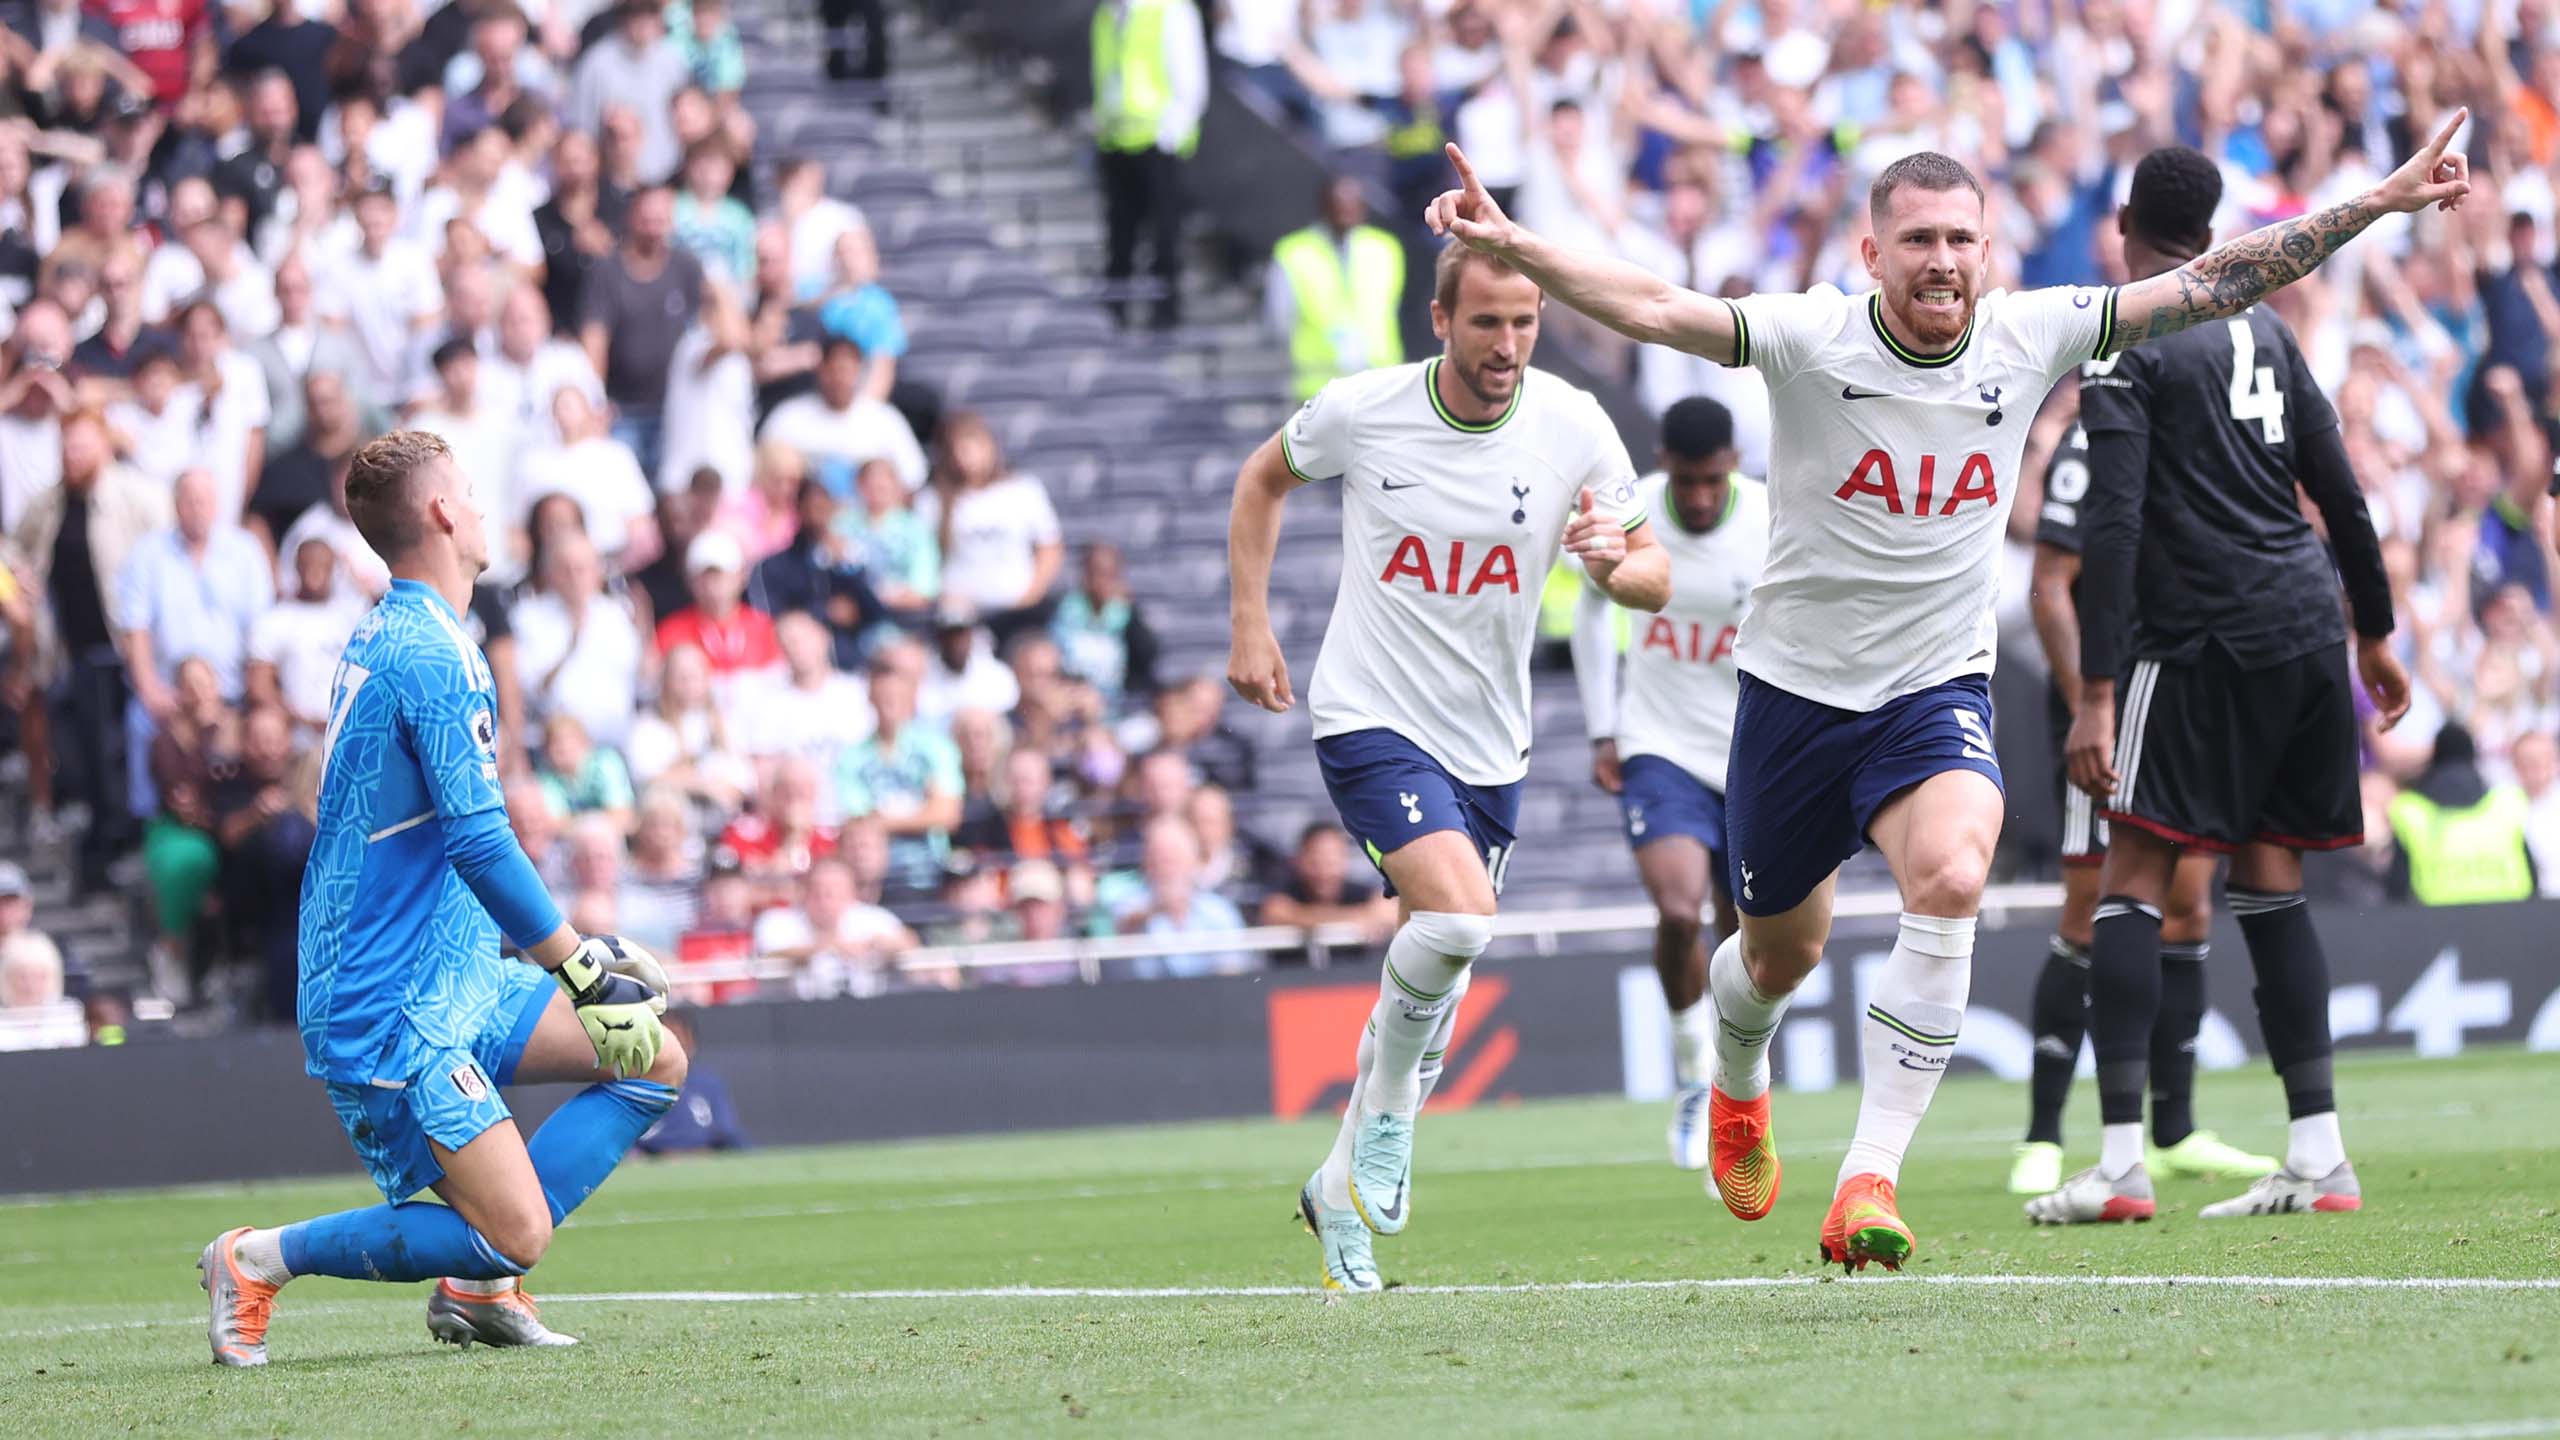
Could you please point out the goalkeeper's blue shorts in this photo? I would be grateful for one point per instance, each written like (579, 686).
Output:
(423, 1092)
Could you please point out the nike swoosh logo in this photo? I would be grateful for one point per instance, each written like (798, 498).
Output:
(1391, 485)
(1392, 1213)
(1852, 392)
(624, 1025)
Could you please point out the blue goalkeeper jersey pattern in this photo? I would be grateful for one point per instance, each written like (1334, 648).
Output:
(390, 933)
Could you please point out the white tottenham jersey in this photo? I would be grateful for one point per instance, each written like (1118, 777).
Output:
(1890, 481)
(1679, 679)
(1448, 531)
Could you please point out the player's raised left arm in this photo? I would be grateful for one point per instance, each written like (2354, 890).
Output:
(2231, 277)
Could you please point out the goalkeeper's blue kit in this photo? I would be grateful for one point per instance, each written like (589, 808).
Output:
(407, 1009)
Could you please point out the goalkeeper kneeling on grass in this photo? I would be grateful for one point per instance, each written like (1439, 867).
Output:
(408, 1011)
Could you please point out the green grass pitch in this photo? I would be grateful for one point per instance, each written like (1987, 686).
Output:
(101, 1322)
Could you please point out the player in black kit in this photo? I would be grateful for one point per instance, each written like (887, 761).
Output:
(2234, 731)
(2060, 1015)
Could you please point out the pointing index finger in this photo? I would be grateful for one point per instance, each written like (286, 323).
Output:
(1466, 172)
(2444, 137)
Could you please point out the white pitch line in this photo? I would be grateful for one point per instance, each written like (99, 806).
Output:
(2474, 1430)
(2447, 1283)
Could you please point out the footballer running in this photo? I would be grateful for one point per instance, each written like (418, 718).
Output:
(1659, 741)
(1900, 418)
(1462, 479)
(408, 1012)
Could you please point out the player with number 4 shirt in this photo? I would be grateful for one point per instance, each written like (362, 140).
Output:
(1900, 418)
(1462, 478)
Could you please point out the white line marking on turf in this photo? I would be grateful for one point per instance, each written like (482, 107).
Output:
(1560, 1287)
(2475, 1430)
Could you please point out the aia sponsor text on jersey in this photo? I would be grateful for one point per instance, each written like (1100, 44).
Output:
(1687, 641)
(1906, 488)
(1456, 569)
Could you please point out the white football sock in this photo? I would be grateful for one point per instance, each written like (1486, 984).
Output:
(1333, 1178)
(261, 1254)
(2314, 1147)
(1693, 1042)
(1417, 988)
(1907, 1037)
(1744, 1021)
(2119, 1149)
(504, 1284)
(1436, 1059)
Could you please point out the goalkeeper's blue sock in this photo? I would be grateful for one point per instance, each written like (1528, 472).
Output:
(584, 1139)
(416, 1240)
(572, 1154)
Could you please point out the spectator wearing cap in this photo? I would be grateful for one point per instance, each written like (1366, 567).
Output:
(298, 347)
(601, 473)
(906, 775)
(841, 943)
(814, 710)
(1102, 637)
(687, 744)
(294, 647)
(384, 294)
(1038, 890)
(636, 70)
(638, 303)
(963, 672)
(74, 538)
(838, 429)
(1172, 902)
(736, 637)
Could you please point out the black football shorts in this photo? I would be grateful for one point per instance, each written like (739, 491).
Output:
(2215, 756)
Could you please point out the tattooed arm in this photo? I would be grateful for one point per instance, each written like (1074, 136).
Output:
(2232, 277)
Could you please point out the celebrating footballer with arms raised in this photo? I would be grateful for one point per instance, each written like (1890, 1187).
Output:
(1462, 479)
(1865, 707)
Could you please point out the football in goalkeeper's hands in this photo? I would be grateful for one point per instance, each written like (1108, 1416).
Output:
(631, 960)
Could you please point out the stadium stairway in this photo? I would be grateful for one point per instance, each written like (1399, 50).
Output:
(990, 227)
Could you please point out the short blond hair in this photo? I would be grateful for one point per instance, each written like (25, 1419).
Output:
(381, 491)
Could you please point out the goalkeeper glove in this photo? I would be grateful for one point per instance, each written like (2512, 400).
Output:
(619, 991)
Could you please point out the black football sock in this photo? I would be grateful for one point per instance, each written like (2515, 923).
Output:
(2173, 1042)
(2060, 1021)
(2292, 995)
(2124, 1000)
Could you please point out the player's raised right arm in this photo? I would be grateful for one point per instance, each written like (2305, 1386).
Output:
(1626, 297)
(1256, 668)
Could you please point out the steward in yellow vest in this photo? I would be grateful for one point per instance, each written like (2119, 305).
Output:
(1335, 288)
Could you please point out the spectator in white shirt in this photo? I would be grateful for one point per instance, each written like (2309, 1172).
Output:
(483, 441)
(844, 945)
(964, 673)
(838, 428)
(813, 220)
(292, 350)
(578, 649)
(814, 710)
(158, 437)
(294, 647)
(601, 474)
(532, 365)
(711, 397)
(227, 393)
(481, 187)
(384, 293)
(2536, 758)
(1001, 546)
(686, 742)
(172, 275)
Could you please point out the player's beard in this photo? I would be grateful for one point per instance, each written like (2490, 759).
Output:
(1480, 381)
(1931, 328)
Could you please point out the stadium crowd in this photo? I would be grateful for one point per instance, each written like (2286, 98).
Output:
(1728, 144)
(792, 664)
